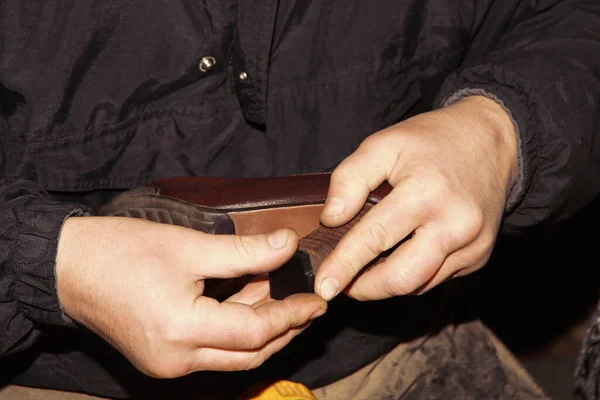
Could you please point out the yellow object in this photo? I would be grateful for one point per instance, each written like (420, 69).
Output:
(280, 390)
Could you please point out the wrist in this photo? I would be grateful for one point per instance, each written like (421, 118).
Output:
(66, 255)
(497, 124)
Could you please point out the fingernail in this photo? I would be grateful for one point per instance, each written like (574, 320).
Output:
(278, 239)
(333, 206)
(329, 288)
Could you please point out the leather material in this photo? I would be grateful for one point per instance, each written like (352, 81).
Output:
(254, 193)
(298, 275)
(247, 206)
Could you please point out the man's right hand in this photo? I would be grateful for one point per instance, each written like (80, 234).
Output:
(139, 285)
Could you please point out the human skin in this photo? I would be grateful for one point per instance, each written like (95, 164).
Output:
(139, 285)
(451, 171)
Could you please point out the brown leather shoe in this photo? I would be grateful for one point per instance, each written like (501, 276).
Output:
(247, 206)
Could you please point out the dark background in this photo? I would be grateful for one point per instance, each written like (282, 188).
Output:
(538, 294)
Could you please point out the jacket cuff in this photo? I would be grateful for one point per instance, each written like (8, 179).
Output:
(35, 260)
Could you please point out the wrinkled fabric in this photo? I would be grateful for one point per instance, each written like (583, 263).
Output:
(28, 242)
(587, 371)
(101, 96)
(559, 153)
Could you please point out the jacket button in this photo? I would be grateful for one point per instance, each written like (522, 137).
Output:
(207, 64)
(243, 76)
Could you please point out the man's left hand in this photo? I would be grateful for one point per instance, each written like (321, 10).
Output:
(451, 171)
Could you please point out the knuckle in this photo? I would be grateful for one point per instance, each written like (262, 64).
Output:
(286, 314)
(438, 189)
(174, 334)
(167, 330)
(481, 255)
(488, 241)
(469, 225)
(171, 337)
(379, 239)
(441, 244)
(398, 285)
(347, 265)
(257, 336)
(431, 191)
(254, 361)
(343, 173)
(243, 362)
(244, 247)
(372, 140)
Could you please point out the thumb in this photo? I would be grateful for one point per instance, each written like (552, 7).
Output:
(232, 256)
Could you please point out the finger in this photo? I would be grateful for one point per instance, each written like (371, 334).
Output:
(231, 256)
(239, 360)
(385, 225)
(358, 175)
(460, 263)
(242, 327)
(446, 273)
(254, 291)
(262, 301)
(408, 268)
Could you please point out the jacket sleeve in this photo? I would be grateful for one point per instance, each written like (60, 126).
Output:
(542, 64)
(30, 224)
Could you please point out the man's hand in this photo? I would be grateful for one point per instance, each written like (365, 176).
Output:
(451, 171)
(139, 285)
